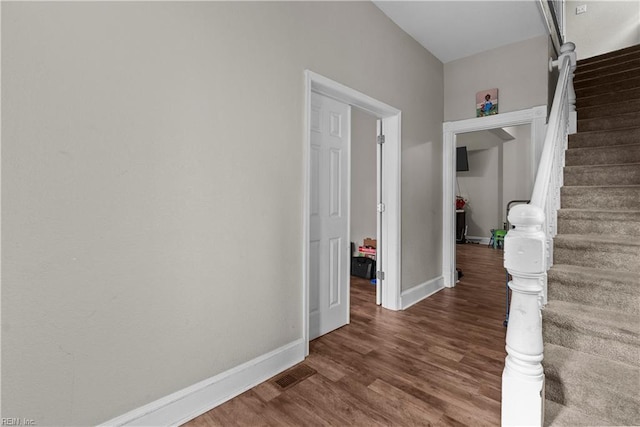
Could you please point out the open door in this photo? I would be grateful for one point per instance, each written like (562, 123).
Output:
(317, 88)
(329, 245)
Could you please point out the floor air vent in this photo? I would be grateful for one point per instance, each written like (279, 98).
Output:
(293, 376)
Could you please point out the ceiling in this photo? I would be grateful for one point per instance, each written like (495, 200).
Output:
(455, 29)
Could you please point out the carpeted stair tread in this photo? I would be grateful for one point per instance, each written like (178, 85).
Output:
(613, 154)
(607, 289)
(615, 174)
(606, 333)
(624, 223)
(610, 87)
(600, 138)
(620, 95)
(593, 385)
(623, 69)
(618, 72)
(596, 239)
(601, 214)
(602, 64)
(615, 56)
(615, 197)
(599, 251)
(607, 110)
(557, 415)
(624, 120)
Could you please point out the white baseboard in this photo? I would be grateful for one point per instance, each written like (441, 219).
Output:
(478, 239)
(186, 404)
(420, 292)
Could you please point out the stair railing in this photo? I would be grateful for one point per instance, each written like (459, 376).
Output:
(553, 13)
(528, 255)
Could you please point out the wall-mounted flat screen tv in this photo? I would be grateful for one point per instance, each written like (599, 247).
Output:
(462, 161)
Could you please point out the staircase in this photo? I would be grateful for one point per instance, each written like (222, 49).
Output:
(591, 324)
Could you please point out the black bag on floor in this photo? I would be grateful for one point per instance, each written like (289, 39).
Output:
(363, 267)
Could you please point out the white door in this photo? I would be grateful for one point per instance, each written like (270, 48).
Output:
(329, 245)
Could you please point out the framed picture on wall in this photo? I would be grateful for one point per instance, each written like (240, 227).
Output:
(487, 102)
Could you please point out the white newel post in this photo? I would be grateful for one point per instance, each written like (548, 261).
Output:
(523, 376)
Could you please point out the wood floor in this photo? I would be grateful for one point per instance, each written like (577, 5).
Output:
(437, 363)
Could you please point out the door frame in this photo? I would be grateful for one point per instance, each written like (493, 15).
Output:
(391, 181)
(536, 117)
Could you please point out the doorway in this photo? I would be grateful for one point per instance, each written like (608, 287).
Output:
(495, 175)
(535, 116)
(365, 218)
(389, 173)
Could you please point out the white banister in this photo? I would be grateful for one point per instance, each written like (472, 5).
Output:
(564, 99)
(528, 255)
(553, 14)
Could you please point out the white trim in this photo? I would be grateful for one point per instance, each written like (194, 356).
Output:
(535, 116)
(420, 292)
(0, 220)
(379, 201)
(347, 304)
(188, 403)
(349, 96)
(391, 176)
(391, 220)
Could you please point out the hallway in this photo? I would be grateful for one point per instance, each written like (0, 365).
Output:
(437, 363)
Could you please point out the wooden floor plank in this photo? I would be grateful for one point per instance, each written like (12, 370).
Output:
(437, 363)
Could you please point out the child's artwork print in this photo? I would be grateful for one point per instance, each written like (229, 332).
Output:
(487, 102)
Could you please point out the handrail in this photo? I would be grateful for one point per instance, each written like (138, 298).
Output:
(553, 13)
(528, 255)
(558, 10)
(541, 186)
(508, 227)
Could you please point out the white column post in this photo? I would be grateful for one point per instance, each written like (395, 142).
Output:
(523, 376)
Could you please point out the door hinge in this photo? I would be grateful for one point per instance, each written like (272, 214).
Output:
(381, 207)
(380, 275)
(380, 139)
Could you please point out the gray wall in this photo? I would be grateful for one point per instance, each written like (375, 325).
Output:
(518, 70)
(606, 26)
(363, 176)
(482, 187)
(152, 185)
